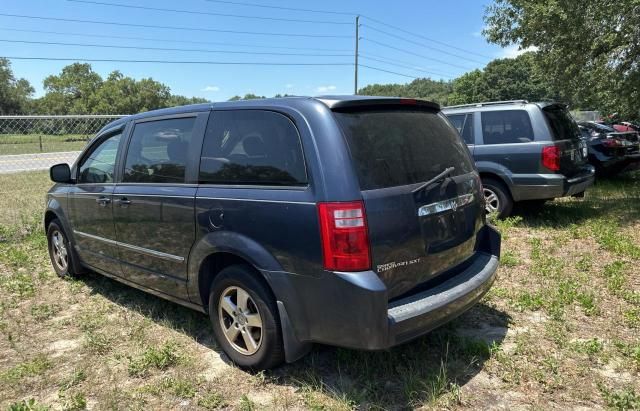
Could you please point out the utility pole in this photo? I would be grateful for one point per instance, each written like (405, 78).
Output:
(355, 83)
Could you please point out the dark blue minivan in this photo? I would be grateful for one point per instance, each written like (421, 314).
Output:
(351, 221)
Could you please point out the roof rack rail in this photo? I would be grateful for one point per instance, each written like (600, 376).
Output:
(489, 103)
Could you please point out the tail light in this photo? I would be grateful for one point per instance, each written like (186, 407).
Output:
(345, 238)
(612, 142)
(551, 157)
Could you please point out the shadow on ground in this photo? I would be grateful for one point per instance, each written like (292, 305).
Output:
(414, 373)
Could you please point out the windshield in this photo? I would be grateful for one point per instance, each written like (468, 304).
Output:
(562, 124)
(401, 147)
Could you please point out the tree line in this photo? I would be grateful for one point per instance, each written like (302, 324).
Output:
(586, 54)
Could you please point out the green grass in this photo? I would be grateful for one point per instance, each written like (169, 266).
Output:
(558, 329)
(30, 143)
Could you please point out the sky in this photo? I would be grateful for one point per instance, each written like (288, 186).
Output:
(414, 38)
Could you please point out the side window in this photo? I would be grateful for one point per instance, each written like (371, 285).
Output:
(464, 124)
(99, 165)
(253, 147)
(158, 150)
(506, 127)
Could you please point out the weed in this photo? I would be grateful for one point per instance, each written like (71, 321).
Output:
(587, 301)
(584, 264)
(178, 387)
(158, 358)
(625, 399)
(74, 379)
(97, 342)
(19, 284)
(632, 317)
(615, 275)
(246, 404)
(590, 347)
(528, 301)
(509, 259)
(73, 402)
(27, 405)
(34, 367)
(41, 312)
(211, 401)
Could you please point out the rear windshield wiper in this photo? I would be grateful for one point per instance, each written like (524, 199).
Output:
(447, 171)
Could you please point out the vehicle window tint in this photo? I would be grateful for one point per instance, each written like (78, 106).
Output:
(252, 147)
(506, 127)
(401, 147)
(464, 124)
(99, 165)
(158, 151)
(562, 124)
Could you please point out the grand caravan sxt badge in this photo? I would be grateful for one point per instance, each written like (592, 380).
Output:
(446, 205)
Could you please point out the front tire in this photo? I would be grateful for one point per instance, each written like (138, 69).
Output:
(60, 252)
(497, 197)
(245, 320)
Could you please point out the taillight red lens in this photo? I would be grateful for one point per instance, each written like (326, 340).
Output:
(612, 142)
(551, 157)
(345, 238)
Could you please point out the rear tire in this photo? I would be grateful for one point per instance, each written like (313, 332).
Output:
(497, 197)
(63, 259)
(245, 319)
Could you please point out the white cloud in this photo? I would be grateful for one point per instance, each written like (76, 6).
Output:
(324, 89)
(289, 86)
(514, 51)
(212, 89)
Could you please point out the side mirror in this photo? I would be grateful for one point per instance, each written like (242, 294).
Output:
(60, 173)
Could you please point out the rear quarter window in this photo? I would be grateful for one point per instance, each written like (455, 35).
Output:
(401, 147)
(506, 127)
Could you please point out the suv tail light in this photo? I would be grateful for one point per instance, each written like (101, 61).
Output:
(551, 157)
(345, 238)
(612, 142)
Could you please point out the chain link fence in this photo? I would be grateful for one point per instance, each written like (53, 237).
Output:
(29, 143)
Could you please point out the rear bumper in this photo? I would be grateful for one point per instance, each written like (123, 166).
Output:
(548, 186)
(352, 309)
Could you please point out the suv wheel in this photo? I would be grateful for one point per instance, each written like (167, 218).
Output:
(497, 198)
(245, 319)
(60, 252)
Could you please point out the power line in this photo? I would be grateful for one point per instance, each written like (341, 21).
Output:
(399, 64)
(148, 26)
(425, 37)
(101, 3)
(169, 40)
(414, 54)
(421, 44)
(224, 63)
(240, 3)
(54, 43)
(389, 71)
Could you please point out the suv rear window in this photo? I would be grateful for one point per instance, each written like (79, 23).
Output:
(562, 124)
(401, 147)
(506, 127)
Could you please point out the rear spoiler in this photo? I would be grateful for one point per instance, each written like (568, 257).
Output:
(358, 103)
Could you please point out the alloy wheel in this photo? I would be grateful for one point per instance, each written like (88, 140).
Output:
(59, 252)
(491, 201)
(240, 320)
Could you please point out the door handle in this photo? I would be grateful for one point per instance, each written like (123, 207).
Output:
(123, 202)
(103, 201)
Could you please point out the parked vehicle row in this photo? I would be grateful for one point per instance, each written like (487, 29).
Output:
(524, 152)
(350, 221)
(610, 151)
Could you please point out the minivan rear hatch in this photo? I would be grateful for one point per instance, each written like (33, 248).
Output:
(420, 189)
(566, 135)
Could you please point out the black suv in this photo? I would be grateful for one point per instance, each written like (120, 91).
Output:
(351, 221)
(524, 151)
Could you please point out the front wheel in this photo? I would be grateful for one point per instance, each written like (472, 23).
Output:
(497, 198)
(245, 318)
(60, 252)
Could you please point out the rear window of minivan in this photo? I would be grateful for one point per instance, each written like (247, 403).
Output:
(393, 147)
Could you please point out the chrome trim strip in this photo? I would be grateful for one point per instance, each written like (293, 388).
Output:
(142, 250)
(255, 200)
(445, 205)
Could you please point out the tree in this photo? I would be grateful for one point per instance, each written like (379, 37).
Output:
(504, 79)
(424, 88)
(71, 92)
(14, 93)
(248, 96)
(590, 50)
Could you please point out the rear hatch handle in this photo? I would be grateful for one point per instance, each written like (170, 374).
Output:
(447, 171)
